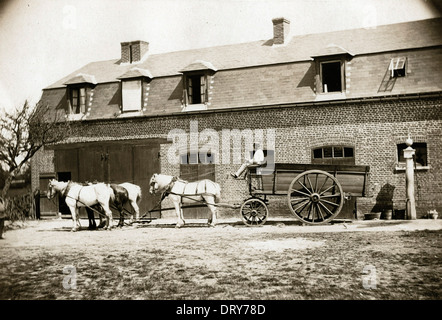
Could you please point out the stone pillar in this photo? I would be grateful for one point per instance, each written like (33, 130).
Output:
(409, 179)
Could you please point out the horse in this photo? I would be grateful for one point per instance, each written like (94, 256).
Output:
(181, 191)
(77, 195)
(122, 193)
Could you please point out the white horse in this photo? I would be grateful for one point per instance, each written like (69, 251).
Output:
(181, 191)
(78, 195)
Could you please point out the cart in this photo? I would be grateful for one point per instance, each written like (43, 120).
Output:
(315, 193)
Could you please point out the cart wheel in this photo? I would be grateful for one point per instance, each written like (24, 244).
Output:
(315, 197)
(254, 212)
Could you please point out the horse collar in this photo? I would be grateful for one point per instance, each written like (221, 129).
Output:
(66, 190)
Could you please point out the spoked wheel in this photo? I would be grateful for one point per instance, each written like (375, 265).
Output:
(315, 197)
(254, 212)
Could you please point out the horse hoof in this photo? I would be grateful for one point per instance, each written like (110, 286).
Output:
(73, 230)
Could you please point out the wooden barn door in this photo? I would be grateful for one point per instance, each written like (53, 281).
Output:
(66, 167)
(193, 172)
(110, 163)
(48, 208)
(91, 163)
(146, 162)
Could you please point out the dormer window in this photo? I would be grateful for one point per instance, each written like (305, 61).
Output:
(132, 83)
(330, 69)
(78, 90)
(195, 88)
(77, 99)
(131, 95)
(332, 76)
(196, 83)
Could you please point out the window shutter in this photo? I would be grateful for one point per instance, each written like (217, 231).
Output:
(186, 98)
(75, 101)
(203, 89)
(190, 90)
(82, 100)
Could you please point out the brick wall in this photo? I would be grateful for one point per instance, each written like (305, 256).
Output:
(373, 127)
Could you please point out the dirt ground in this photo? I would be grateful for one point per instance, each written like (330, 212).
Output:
(281, 260)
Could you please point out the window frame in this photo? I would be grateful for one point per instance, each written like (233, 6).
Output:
(343, 147)
(319, 61)
(395, 71)
(418, 146)
(123, 81)
(188, 87)
(81, 100)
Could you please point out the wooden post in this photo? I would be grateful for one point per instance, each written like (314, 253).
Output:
(409, 179)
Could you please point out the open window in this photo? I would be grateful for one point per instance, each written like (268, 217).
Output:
(196, 85)
(195, 89)
(330, 70)
(79, 90)
(77, 100)
(332, 76)
(397, 67)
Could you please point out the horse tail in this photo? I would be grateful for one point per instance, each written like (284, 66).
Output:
(112, 193)
(139, 195)
(218, 192)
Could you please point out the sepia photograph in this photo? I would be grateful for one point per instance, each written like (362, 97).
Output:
(220, 159)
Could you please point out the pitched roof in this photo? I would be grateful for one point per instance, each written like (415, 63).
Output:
(332, 49)
(199, 65)
(81, 78)
(136, 73)
(407, 35)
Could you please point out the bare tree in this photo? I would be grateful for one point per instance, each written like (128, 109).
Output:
(23, 132)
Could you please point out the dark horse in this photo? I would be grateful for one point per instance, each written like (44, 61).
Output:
(119, 198)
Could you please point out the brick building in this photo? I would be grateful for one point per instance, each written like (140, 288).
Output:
(349, 97)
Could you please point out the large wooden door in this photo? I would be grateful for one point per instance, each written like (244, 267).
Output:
(195, 172)
(146, 162)
(91, 163)
(119, 164)
(112, 163)
(48, 208)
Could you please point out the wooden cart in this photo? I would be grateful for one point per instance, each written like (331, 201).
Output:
(315, 193)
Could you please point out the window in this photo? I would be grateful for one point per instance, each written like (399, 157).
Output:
(420, 156)
(331, 76)
(397, 67)
(195, 91)
(77, 99)
(333, 155)
(196, 166)
(132, 95)
(198, 158)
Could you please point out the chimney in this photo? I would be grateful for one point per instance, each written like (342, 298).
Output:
(281, 30)
(133, 51)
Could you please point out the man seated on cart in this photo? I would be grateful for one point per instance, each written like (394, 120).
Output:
(257, 160)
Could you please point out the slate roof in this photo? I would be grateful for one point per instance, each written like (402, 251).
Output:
(393, 37)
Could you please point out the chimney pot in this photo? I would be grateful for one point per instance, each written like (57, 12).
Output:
(133, 51)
